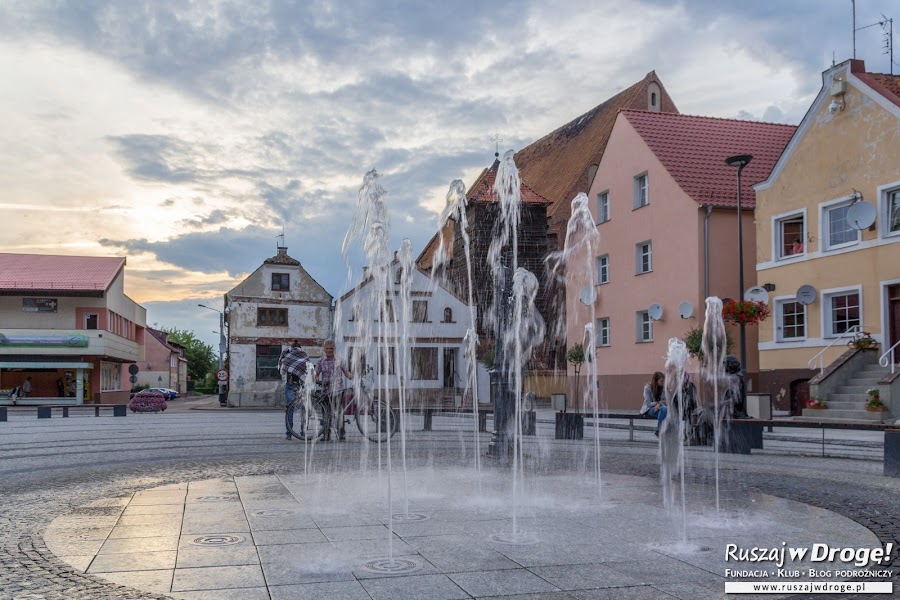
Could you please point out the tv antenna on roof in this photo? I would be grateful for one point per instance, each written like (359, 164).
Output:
(281, 235)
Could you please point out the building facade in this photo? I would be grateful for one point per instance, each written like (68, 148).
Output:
(665, 206)
(277, 304)
(843, 153)
(427, 336)
(165, 365)
(69, 326)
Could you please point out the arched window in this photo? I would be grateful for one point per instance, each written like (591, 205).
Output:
(448, 315)
(653, 99)
(398, 275)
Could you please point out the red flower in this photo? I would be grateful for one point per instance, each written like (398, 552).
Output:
(746, 312)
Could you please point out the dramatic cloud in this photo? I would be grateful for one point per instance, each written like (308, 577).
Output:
(187, 136)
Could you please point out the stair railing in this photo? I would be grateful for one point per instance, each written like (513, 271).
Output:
(889, 356)
(821, 355)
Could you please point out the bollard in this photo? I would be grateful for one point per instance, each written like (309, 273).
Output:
(569, 426)
(427, 414)
(892, 452)
(97, 411)
(529, 423)
(2, 413)
(44, 412)
(482, 421)
(65, 411)
(119, 410)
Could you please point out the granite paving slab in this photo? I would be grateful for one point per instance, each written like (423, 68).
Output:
(337, 590)
(424, 587)
(497, 583)
(218, 578)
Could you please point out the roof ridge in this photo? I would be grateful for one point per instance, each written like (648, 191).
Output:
(704, 117)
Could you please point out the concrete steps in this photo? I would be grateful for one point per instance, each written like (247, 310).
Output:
(831, 414)
(848, 402)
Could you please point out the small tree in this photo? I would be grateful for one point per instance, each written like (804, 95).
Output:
(575, 356)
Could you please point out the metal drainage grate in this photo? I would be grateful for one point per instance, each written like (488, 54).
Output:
(274, 512)
(409, 517)
(214, 498)
(522, 539)
(217, 540)
(396, 566)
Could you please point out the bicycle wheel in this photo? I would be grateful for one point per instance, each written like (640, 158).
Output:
(308, 426)
(377, 421)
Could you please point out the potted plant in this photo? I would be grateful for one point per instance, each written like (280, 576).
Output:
(745, 312)
(874, 403)
(816, 403)
(693, 339)
(863, 341)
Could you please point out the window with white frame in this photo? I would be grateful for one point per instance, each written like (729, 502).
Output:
(836, 230)
(641, 191)
(644, 326)
(892, 212)
(842, 311)
(790, 235)
(791, 320)
(603, 207)
(643, 257)
(602, 329)
(602, 269)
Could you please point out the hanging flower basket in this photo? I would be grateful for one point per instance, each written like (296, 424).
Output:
(745, 312)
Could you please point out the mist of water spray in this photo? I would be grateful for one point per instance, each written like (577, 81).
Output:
(671, 436)
(712, 374)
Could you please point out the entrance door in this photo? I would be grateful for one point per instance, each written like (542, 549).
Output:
(449, 367)
(893, 319)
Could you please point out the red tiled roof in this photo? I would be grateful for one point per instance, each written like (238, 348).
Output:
(483, 189)
(886, 85)
(693, 150)
(50, 272)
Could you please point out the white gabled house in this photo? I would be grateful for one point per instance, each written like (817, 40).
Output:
(278, 303)
(432, 339)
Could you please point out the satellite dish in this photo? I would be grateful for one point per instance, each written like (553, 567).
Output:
(861, 215)
(806, 294)
(686, 310)
(757, 294)
(655, 311)
(588, 296)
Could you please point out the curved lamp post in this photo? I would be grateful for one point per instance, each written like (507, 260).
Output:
(740, 161)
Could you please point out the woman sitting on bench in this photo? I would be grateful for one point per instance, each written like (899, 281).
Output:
(654, 400)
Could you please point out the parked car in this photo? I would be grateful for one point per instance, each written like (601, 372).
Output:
(166, 392)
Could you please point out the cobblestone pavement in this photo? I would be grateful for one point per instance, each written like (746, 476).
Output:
(56, 467)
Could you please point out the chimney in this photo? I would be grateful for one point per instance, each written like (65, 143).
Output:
(365, 272)
(282, 250)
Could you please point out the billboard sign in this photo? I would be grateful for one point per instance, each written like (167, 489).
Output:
(39, 305)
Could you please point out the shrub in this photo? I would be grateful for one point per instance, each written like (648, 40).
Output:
(694, 338)
(816, 403)
(147, 402)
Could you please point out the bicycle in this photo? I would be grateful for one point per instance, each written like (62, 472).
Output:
(374, 418)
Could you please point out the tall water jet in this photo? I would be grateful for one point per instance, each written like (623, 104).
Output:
(574, 267)
(370, 225)
(671, 435)
(455, 211)
(525, 334)
(405, 258)
(712, 375)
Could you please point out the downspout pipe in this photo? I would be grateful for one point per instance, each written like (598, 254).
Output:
(706, 252)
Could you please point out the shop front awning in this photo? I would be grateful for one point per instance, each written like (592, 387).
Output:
(45, 365)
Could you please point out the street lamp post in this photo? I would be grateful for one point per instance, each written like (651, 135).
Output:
(221, 344)
(740, 161)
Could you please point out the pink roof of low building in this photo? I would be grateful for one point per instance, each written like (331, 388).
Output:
(693, 150)
(51, 272)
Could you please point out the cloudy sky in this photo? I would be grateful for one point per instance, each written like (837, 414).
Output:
(185, 134)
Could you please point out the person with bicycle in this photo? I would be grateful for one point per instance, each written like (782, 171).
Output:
(292, 364)
(328, 375)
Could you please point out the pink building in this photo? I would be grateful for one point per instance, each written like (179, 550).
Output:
(665, 206)
(164, 363)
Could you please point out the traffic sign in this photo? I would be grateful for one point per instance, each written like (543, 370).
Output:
(133, 369)
(133, 378)
(222, 375)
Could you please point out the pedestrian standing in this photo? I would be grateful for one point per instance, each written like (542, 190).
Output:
(292, 365)
(26, 387)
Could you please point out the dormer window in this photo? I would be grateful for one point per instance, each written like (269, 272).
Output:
(448, 315)
(654, 97)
